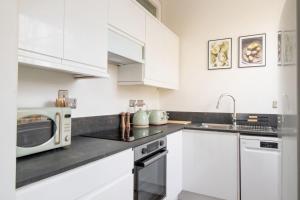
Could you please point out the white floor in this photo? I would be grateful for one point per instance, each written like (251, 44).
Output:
(185, 195)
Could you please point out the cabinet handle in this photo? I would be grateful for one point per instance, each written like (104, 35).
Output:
(58, 128)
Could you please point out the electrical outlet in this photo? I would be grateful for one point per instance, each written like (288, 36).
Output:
(274, 104)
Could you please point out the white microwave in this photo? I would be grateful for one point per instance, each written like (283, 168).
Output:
(42, 129)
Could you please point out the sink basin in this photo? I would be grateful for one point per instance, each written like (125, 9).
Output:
(213, 126)
(217, 126)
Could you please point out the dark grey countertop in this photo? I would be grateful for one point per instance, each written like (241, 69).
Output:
(82, 151)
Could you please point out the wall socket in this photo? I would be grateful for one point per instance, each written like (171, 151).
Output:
(274, 104)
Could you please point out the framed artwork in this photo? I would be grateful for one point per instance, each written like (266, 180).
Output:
(288, 48)
(279, 48)
(220, 54)
(252, 51)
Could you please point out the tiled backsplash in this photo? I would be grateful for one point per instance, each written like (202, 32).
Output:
(86, 125)
(223, 118)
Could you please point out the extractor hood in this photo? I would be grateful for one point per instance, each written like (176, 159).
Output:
(123, 51)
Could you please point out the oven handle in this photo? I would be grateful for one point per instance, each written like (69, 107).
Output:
(152, 159)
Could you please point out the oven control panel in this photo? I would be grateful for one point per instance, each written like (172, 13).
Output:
(149, 148)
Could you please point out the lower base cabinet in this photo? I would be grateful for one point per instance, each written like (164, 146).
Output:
(211, 164)
(107, 179)
(174, 165)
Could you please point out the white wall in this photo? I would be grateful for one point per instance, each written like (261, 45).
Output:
(8, 88)
(39, 88)
(196, 22)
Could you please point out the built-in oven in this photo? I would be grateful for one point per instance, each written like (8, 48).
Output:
(150, 170)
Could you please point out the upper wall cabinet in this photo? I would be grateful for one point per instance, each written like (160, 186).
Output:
(161, 54)
(161, 67)
(128, 17)
(64, 35)
(41, 27)
(85, 35)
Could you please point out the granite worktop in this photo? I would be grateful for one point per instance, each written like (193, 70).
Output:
(83, 150)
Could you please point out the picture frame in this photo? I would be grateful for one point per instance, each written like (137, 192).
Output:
(288, 48)
(220, 54)
(252, 51)
(279, 48)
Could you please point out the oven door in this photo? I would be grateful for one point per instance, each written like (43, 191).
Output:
(150, 177)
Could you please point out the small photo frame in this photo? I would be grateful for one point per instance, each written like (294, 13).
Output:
(220, 54)
(279, 48)
(252, 51)
(288, 48)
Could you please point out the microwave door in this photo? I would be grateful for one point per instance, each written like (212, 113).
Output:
(36, 133)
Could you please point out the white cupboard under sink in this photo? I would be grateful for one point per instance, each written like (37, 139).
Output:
(64, 35)
(211, 164)
(108, 178)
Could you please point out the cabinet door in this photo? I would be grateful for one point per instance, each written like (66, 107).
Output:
(171, 55)
(85, 35)
(119, 189)
(161, 54)
(174, 166)
(96, 179)
(128, 17)
(154, 51)
(41, 26)
(210, 164)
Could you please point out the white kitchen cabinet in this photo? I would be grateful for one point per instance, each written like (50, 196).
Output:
(85, 35)
(161, 67)
(41, 28)
(99, 180)
(211, 163)
(174, 165)
(161, 54)
(119, 189)
(128, 17)
(64, 35)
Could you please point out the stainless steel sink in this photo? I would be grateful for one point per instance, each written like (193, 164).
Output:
(217, 126)
(213, 126)
(230, 127)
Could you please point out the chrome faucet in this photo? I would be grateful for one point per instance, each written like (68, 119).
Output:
(234, 111)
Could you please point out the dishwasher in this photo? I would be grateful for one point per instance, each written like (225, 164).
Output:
(260, 159)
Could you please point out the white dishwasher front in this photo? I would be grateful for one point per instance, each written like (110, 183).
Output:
(260, 168)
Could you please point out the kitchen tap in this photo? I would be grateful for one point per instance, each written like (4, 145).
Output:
(234, 111)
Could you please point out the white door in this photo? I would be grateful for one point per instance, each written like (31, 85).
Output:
(119, 189)
(260, 168)
(154, 50)
(41, 26)
(174, 165)
(128, 17)
(85, 35)
(210, 164)
(161, 54)
(171, 59)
